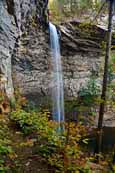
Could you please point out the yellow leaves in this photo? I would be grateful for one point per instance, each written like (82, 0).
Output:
(76, 132)
(113, 167)
(4, 107)
(113, 47)
(23, 49)
(21, 101)
(46, 112)
(53, 124)
(56, 160)
(12, 156)
(85, 141)
(4, 103)
(33, 22)
(28, 143)
(72, 151)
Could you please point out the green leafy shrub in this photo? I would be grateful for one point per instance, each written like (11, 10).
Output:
(29, 121)
(6, 151)
(61, 149)
(69, 156)
(90, 92)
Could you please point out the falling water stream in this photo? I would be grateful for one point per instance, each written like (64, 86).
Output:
(57, 76)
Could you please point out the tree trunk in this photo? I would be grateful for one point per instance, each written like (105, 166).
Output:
(105, 77)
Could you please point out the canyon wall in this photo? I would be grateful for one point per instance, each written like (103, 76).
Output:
(25, 51)
(80, 59)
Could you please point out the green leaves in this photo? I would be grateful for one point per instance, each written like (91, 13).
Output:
(63, 9)
(29, 121)
(5, 145)
(5, 149)
(85, 141)
(90, 92)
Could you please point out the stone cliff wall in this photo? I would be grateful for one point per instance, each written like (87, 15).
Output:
(81, 54)
(25, 50)
(14, 18)
(8, 37)
(32, 63)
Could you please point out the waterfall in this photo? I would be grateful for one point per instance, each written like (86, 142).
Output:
(57, 76)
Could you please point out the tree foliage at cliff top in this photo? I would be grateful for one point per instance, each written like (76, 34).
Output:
(82, 9)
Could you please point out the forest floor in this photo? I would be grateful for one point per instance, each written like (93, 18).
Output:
(27, 161)
(22, 159)
(43, 150)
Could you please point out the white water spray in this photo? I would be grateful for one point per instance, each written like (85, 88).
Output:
(57, 77)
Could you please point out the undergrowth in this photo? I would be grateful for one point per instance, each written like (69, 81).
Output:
(63, 149)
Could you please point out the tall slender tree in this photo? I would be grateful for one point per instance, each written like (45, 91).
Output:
(105, 76)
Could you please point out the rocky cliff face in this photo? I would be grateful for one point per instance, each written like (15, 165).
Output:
(25, 50)
(8, 37)
(81, 54)
(32, 62)
(14, 18)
